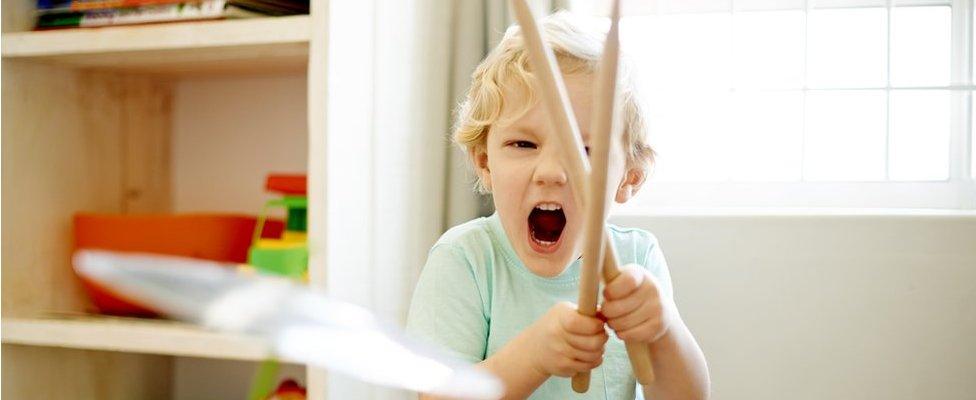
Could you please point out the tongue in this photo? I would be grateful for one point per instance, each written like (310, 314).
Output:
(549, 220)
(547, 225)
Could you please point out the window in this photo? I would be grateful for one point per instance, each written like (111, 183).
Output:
(806, 103)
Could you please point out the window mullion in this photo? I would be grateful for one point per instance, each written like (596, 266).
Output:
(807, 6)
(887, 150)
(961, 74)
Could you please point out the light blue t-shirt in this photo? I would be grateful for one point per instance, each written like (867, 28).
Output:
(474, 295)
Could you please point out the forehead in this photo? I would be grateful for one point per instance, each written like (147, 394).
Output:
(579, 87)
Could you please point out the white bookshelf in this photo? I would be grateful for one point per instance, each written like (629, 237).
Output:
(260, 45)
(132, 335)
(87, 127)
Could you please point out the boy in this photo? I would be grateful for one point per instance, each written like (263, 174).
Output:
(498, 290)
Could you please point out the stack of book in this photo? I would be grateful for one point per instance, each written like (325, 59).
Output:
(54, 14)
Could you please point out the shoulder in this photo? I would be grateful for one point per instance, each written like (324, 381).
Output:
(459, 262)
(634, 244)
(465, 240)
(471, 245)
(638, 246)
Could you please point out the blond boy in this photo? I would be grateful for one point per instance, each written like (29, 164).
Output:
(498, 290)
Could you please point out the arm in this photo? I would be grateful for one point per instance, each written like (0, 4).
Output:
(679, 365)
(513, 367)
(637, 311)
(562, 342)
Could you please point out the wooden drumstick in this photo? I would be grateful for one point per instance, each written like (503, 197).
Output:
(557, 103)
(605, 131)
(555, 100)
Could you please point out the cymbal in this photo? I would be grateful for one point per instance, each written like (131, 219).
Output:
(300, 324)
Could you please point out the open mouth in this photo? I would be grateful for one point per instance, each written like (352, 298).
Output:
(546, 223)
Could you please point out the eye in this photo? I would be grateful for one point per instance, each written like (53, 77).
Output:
(587, 148)
(522, 144)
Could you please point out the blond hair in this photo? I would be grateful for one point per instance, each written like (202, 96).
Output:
(577, 43)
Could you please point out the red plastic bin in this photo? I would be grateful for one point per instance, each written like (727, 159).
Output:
(216, 237)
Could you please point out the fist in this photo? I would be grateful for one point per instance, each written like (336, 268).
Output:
(566, 342)
(633, 307)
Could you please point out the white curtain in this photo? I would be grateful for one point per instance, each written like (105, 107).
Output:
(398, 70)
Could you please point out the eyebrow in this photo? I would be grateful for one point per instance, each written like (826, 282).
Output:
(524, 130)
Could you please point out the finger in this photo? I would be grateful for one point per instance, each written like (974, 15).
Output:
(611, 309)
(644, 332)
(573, 367)
(587, 342)
(584, 356)
(630, 278)
(644, 312)
(579, 324)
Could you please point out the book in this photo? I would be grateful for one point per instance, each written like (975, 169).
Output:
(49, 6)
(184, 11)
(268, 7)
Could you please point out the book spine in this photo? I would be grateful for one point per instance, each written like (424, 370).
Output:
(138, 15)
(206, 9)
(48, 6)
(84, 5)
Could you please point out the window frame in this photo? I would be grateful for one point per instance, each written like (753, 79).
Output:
(956, 192)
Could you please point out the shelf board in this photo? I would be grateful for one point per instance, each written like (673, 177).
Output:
(131, 335)
(258, 44)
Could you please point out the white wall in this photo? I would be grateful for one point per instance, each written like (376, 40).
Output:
(229, 133)
(221, 166)
(827, 307)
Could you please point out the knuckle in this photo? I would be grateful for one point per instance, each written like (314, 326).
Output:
(565, 368)
(657, 325)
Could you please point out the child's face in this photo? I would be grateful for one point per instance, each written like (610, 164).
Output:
(522, 166)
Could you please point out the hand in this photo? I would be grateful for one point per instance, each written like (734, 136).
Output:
(564, 342)
(633, 307)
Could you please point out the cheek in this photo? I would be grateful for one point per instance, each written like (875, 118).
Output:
(509, 173)
(509, 179)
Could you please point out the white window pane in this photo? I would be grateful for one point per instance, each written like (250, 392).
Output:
(651, 7)
(920, 42)
(921, 2)
(919, 144)
(768, 49)
(846, 3)
(847, 48)
(687, 6)
(845, 136)
(680, 51)
(689, 131)
(767, 5)
(766, 138)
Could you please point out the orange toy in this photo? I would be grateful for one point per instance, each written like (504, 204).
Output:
(288, 390)
(216, 237)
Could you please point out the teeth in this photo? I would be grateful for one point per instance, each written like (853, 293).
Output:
(544, 242)
(549, 206)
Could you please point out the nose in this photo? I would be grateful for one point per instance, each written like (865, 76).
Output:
(549, 170)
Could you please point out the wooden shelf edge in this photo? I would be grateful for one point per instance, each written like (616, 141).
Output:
(168, 36)
(132, 335)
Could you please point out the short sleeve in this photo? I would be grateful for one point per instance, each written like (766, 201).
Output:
(655, 263)
(447, 308)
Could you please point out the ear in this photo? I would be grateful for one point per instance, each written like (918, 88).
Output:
(630, 184)
(479, 158)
